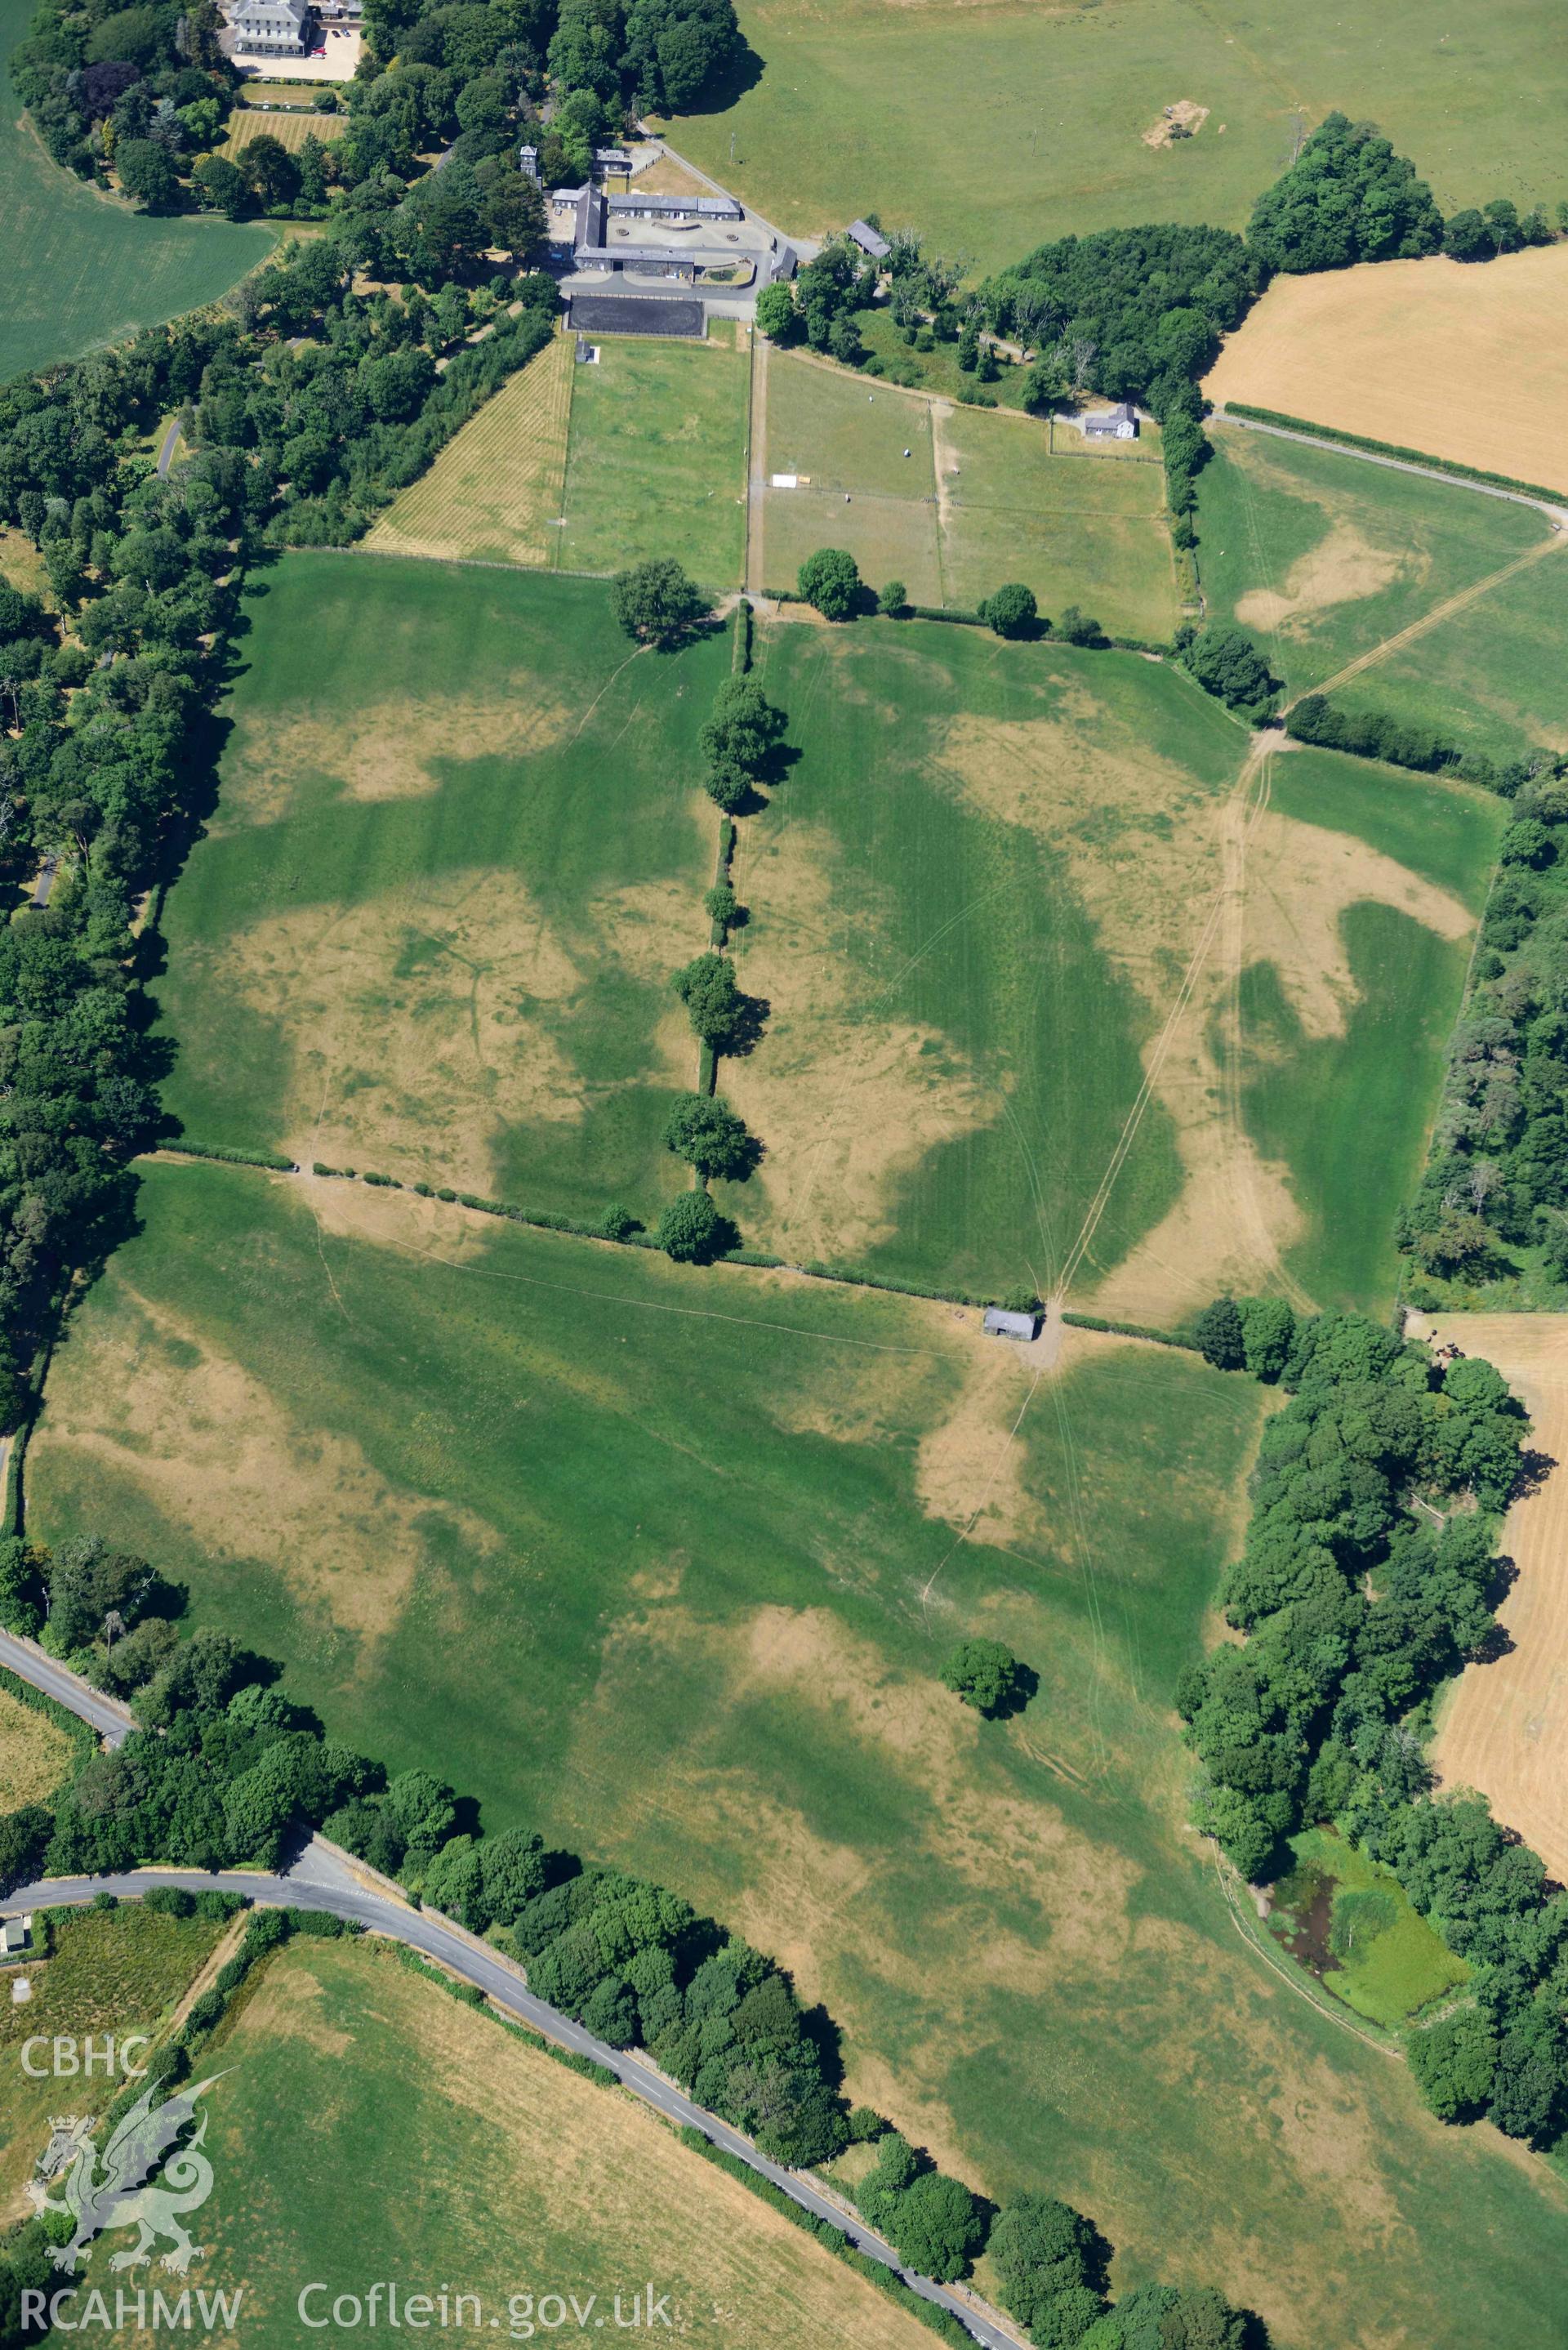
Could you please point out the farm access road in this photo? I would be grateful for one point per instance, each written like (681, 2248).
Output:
(1556, 514)
(321, 1878)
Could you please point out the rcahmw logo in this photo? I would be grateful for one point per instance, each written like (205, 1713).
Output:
(120, 2188)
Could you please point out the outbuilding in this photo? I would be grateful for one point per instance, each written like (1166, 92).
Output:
(870, 240)
(1000, 1323)
(15, 1936)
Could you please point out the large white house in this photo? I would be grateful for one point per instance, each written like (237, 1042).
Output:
(269, 28)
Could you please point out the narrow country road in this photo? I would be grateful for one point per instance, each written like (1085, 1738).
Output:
(112, 1720)
(320, 1878)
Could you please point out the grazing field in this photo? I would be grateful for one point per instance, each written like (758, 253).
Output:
(1038, 1014)
(454, 858)
(494, 492)
(291, 129)
(1431, 355)
(82, 269)
(666, 1563)
(657, 459)
(1326, 560)
(1504, 1727)
(34, 1754)
(120, 1971)
(449, 2149)
(1047, 112)
(955, 501)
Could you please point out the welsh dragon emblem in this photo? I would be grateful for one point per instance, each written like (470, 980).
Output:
(115, 2190)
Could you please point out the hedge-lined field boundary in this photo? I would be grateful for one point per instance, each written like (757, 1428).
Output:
(1421, 457)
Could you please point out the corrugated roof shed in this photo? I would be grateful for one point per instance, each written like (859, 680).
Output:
(870, 240)
(1001, 1324)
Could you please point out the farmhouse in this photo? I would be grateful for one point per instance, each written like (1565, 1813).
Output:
(269, 28)
(1118, 423)
(1000, 1323)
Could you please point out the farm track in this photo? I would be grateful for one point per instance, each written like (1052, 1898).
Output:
(1447, 609)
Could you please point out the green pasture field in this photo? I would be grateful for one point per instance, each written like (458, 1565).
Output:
(118, 1971)
(1382, 1959)
(978, 499)
(451, 2153)
(1326, 1105)
(1044, 110)
(973, 903)
(455, 855)
(1323, 557)
(655, 464)
(84, 269)
(666, 1563)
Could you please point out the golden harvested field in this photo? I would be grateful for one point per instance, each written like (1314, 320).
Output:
(1452, 358)
(1505, 1728)
(290, 131)
(435, 2144)
(494, 490)
(35, 1755)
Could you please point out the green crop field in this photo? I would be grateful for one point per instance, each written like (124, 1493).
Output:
(1046, 113)
(666, 1563)
(655, 464)
(954, 501)
(118, 1971)
(455, 857)
(454, 2156)
(980, 927)
(1325, 558)
(84, 269)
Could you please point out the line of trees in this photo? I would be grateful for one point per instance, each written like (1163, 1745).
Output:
(1356, 1611)
(1379, 734)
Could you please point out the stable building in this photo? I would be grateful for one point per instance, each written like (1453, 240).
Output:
(634, 205)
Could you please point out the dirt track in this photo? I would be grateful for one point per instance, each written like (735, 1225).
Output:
(1505, 1728)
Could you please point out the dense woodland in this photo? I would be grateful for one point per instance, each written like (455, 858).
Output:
(145, 91)
(1496, 1180)
(1356, 1608)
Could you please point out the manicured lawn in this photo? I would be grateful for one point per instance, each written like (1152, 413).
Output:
(452, 2154)
(657, 459)
(1323, 557)
(666, 1563)
(82, 269)
(1043, 112)
(118, 1971)
(494, 492)
(291, 129)
(455, 857)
